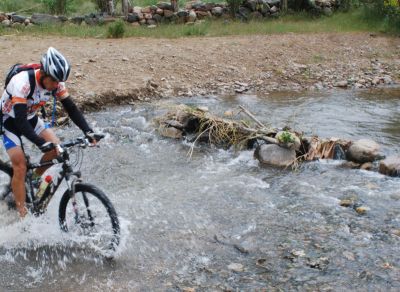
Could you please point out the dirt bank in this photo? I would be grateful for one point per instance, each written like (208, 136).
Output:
(122, 71)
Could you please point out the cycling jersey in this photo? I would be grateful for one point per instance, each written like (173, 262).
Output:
(18, 90)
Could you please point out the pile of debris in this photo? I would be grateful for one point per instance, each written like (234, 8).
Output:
(275, 147)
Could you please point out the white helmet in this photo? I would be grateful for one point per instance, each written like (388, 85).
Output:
(55, 65)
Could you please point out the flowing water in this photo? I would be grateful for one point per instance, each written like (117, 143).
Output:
(185, 221)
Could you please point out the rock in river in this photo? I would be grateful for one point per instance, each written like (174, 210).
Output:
(363, 151)
(275, 155)
(390, 166)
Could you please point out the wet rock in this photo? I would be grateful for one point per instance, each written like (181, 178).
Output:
(363, 150)
(367, 166)
(38, 18)
(274, 155)
(349, 255)
(188, 289)
(320, 263)
(236, 267)
(203, 108)
(174, 123)
(298, 253)
(262, 263)
(362, 210)
(346, 202)
(170, 132)
(350, 165)
(390, 166)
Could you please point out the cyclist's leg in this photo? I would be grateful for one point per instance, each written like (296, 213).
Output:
(14, 150)
(48, 134)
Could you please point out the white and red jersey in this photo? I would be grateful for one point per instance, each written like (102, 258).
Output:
(17, 92)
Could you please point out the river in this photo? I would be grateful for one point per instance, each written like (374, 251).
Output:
(185, 221)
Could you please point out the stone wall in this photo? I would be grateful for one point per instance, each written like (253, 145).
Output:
(164, 12)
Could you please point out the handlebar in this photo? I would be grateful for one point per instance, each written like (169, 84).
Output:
(81, 141)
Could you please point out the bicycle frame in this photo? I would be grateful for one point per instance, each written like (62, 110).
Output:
(39, 206)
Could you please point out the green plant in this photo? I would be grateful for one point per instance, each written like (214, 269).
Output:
(233, 6)
(116, 30)
(57, 6)
(286, 137)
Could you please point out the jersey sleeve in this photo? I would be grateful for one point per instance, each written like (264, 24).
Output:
(61, 92)
(19, 88)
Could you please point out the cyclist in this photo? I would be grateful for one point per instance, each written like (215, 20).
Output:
(20, 119)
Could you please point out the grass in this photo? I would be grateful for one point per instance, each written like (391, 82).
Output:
(340, 22)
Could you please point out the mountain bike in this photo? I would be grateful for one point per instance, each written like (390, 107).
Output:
(84, 209)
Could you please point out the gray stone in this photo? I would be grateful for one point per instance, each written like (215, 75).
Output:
(170, 132)
(165, 6)
(274, 9)
(236, 267)
(390, 166)
(182, 13)
(133, 17)
(273, 2)
(38, 18)
(168, 13)
(363, 150)
(293, 145)
(18, 18)
(192, 16)
(272, 154)
(217, 11)
(6, 23)
(251, 4)
(157, 18)
(342, 84)
(77, 19)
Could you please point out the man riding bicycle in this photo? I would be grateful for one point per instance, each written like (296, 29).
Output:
(19, 107)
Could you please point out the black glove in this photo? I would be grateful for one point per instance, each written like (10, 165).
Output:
(90, 136)
(46, 147)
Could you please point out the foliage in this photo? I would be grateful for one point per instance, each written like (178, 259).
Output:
(233, 6)
(386, 11)
(286, 137)
(116, 30)
(57, 6)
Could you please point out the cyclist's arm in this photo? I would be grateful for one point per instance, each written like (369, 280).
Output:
(72, 110)
(75, 114)
(23, 125)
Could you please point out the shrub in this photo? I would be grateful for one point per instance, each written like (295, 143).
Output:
(116, 30)
(233, 6)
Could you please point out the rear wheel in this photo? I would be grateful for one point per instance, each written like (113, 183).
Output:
(88, 213)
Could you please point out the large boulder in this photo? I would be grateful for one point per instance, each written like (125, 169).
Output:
(38, 18)
(273, 2)
(133, 17)
(390, 166)
(18, 18)
(271, 154)
(363, 150)
(170, 132)
(6, 23)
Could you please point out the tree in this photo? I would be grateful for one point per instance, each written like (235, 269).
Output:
(106, 6)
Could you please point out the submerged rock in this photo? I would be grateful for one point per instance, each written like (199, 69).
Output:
(363, 151)
(275, 155)
(236, 267)
(170, 132)
(390, 166)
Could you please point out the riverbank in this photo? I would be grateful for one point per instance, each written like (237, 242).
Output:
(132, 69)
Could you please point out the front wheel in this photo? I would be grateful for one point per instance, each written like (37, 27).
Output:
(89, 213)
